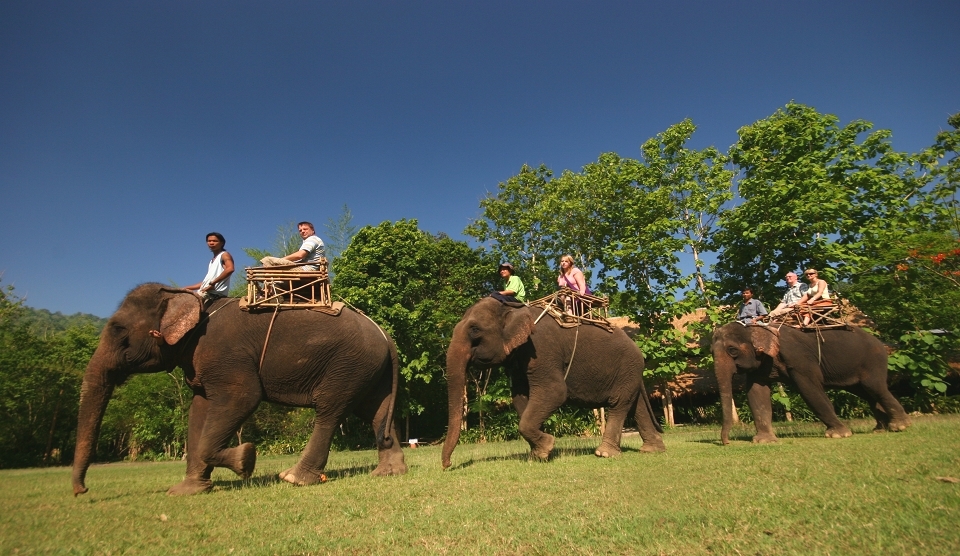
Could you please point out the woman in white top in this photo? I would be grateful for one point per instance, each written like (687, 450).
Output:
(818, 288)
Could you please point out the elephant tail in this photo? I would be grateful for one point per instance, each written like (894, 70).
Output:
(395, 369)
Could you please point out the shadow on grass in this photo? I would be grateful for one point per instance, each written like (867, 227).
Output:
(271, 478)
(473, 461)
(798, 429)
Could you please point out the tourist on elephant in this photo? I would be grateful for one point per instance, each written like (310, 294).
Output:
(217, 281)
(795, 291)
(572, 277)
(816, 291)
(751, 309)
(513, 291)
(310, 252)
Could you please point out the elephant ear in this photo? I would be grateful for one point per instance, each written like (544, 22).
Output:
(765, 341)
(179, 313)
(517, 328)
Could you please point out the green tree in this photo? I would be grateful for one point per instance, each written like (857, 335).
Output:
(628, 223)
(811, 193)
(40, 378)
(339, 233)
(517, 226)
(147, 418)
(416, 286)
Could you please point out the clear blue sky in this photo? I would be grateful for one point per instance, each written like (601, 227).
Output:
(128, 130)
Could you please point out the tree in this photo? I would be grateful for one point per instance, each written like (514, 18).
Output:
(339, 233)
(416, 286)
(811, 193)
(628, 223)
(517, 226)
(40, 378)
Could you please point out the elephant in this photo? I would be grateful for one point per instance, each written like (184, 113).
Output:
(549, 365)
(233, 360)
(810, 360)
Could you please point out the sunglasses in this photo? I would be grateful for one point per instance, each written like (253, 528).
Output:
(809, 273)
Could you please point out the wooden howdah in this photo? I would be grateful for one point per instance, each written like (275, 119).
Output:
(570, 308)
(821, 315)
(287, 286)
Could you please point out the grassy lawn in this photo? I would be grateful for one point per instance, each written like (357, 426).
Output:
(869, 494)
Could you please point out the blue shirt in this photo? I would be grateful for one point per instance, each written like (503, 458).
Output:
(750, 310)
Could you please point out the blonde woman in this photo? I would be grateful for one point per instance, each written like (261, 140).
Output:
(817, 289)
(816, 292)
(572, 277)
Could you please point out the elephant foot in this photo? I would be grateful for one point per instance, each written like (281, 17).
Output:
(654, 446)
(765, 438)
(838, 432)
(244, 460)
(390, 466)
(898, 425)
(607, 451)
(190, 486)
(543, 449)
(299, 477)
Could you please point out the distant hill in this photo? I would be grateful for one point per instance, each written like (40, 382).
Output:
(43, 322)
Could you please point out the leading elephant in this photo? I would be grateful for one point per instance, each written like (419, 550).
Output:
(550, 365)
(811, 361)
(233, 360)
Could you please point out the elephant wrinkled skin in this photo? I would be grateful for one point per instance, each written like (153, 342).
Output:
(811, 361)
(335, 364)
(607, 371)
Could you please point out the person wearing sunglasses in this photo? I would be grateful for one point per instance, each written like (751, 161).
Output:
(816, 291)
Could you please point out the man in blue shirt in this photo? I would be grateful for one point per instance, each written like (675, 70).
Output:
(751, 309)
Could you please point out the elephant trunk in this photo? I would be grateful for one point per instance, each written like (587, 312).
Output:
(458, 356)
(725, 367)
(94, 396)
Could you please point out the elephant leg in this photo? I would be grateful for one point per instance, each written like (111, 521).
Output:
(309, 468)
(878, 412)
(813, 393)
(389, 453)
(758, 396)
(520, 390)
(520, 402)
(886, 409)
(198, 473)
(643, 415)
(211, 427)
(542, 404)
(610, 444)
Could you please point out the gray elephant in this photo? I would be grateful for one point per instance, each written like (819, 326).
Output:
(809, 360)
(606, 371)
(335, 364)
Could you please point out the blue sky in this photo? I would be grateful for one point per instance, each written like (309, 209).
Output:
(128, 130)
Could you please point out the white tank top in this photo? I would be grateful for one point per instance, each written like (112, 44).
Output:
(213, 270)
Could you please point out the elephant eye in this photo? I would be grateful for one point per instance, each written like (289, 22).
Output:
(733, 351)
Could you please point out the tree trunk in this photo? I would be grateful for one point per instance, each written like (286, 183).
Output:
(53, 427)
(601, 419)
(668, 405)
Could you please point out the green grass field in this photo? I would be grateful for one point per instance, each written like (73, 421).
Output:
(869, 494)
